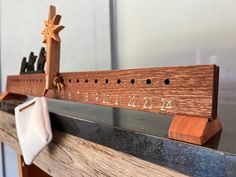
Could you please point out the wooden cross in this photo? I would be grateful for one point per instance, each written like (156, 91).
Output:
(53, 42)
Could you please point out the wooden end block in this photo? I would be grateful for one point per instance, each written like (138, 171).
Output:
(8, 95)
(192, 129)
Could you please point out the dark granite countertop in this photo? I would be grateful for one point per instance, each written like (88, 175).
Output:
(144, 135)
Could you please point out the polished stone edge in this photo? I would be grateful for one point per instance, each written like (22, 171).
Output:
(186, 158)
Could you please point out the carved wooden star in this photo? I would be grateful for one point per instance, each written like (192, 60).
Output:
(52, 27)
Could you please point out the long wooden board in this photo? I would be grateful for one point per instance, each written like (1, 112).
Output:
(185, 90)
(70, 156)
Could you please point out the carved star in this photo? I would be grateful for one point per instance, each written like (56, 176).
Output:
(52, 27)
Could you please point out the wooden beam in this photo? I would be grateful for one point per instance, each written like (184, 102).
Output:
(186, 90)
(69, 155)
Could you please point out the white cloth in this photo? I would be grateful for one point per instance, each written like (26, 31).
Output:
(33, 127)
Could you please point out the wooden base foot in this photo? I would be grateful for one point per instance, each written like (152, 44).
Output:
(196, 130)
(8, 95)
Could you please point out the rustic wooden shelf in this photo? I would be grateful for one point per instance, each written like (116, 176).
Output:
(68, 155)
(98, 140)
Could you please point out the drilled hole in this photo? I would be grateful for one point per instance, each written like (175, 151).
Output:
(95, 81)
(148, 81)
(86, 80)
(118, 81)
(77, 80)
(70, 80)
(132, 81)
(106, 81)
(167, 81)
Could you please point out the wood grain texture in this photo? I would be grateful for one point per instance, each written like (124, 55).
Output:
(8, 95)
(71, 156)
(187, 90)
(53, 42)
(196, 130)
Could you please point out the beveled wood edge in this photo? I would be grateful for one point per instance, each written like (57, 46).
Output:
(193, 129)
(215, 92)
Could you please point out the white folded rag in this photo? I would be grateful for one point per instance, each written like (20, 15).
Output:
(33, 127)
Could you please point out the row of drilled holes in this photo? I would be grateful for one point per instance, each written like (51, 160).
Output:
(23, 80)
(132, 81)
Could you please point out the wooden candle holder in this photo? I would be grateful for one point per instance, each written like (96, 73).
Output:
(187, 92)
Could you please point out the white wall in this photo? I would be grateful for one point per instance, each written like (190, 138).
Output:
(178, 32)
(85, 39)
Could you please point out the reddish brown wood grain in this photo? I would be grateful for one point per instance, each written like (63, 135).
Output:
(8, 95)
(196, 130)
(185, 90)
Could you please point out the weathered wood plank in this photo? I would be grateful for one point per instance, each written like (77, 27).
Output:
(186, 90)
(68, 155)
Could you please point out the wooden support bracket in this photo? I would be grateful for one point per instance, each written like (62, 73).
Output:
(8, 95)
(192, 129)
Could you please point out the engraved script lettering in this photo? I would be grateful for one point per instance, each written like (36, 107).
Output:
(117, 102)
(86, 96)
(106, 98)
(132, 100)
(69, 96)
(166, 104)
(96, 97)
(63, 94)
(147, 103)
